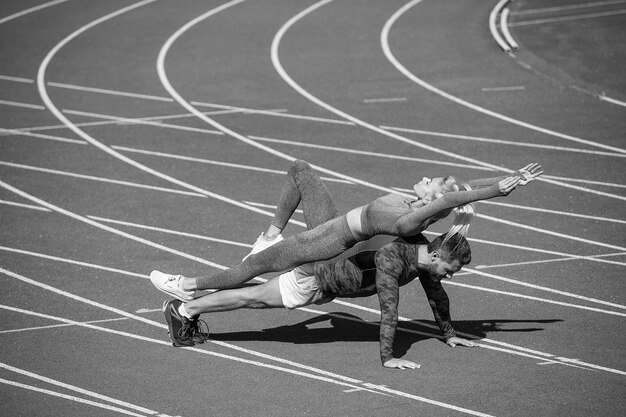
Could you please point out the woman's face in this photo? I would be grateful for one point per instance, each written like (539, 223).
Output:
(429, 189)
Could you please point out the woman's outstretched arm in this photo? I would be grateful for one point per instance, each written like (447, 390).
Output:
(526, 174)
(412, 223)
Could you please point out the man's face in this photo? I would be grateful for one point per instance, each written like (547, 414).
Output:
(440, 269)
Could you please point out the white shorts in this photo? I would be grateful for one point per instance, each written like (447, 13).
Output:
(299, 289)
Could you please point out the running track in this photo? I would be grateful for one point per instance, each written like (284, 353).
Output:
(155, 135)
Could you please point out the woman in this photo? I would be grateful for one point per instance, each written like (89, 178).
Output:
(392, 214)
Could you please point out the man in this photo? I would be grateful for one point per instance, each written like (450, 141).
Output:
(380, 265)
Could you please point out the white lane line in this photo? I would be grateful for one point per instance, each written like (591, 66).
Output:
(169, 231)
(542, 210)
(532, 249)
(56, 326)
(17, 79)
(612, 100)
(276, 114)
(10, 132)
(31, 10)
(497, 89)
(504, 27)
(588, 182)
(213, 162)
(567, 18)
(502, 141)
(99, 179)
(23, 105)
(493, 26)
(543, 300)
(149, 121)
(543, 288)
(387, 50)
(566, 259)
(568, 7)
(76, 389)
(366, 153)
(22, 205)
(73, 262)
(110, 92)
(69, 397)
(548, 232)
(384, 100)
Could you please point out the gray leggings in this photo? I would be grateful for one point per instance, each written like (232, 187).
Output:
(328, 234)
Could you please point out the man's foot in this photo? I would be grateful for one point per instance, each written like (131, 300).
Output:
(262, 243)
(179, 327)
(169, 285)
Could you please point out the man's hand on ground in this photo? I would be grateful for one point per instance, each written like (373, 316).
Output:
(401, 364)
(453, 341)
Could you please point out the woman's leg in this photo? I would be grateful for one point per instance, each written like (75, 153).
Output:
(323, 242)
(303, 187)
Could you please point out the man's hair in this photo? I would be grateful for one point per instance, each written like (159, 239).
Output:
(452, 247)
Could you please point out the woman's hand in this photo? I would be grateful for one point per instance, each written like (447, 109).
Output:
(508, 184)
(530, 172)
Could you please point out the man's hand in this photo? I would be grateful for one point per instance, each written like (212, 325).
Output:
(530, 172)
(400, 364)
(453, 341)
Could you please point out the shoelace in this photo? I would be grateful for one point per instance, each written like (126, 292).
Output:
(186, 331)
(198, 326)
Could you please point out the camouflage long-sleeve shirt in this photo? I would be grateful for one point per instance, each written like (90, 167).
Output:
(377, 266)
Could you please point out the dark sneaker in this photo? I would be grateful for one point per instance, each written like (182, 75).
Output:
(179, 327)
(200, 330)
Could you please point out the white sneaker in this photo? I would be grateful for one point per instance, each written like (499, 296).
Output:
(169, 285)
(262, 244)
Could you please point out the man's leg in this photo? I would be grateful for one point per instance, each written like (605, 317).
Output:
(266, 295)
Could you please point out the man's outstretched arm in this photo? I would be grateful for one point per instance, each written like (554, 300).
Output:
(440, 304)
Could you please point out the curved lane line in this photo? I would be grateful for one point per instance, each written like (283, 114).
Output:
(41, 85)
(430, 87)
(188, 106)
(493, 27)
(303, 92)
(276, 61)
(309, 96)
